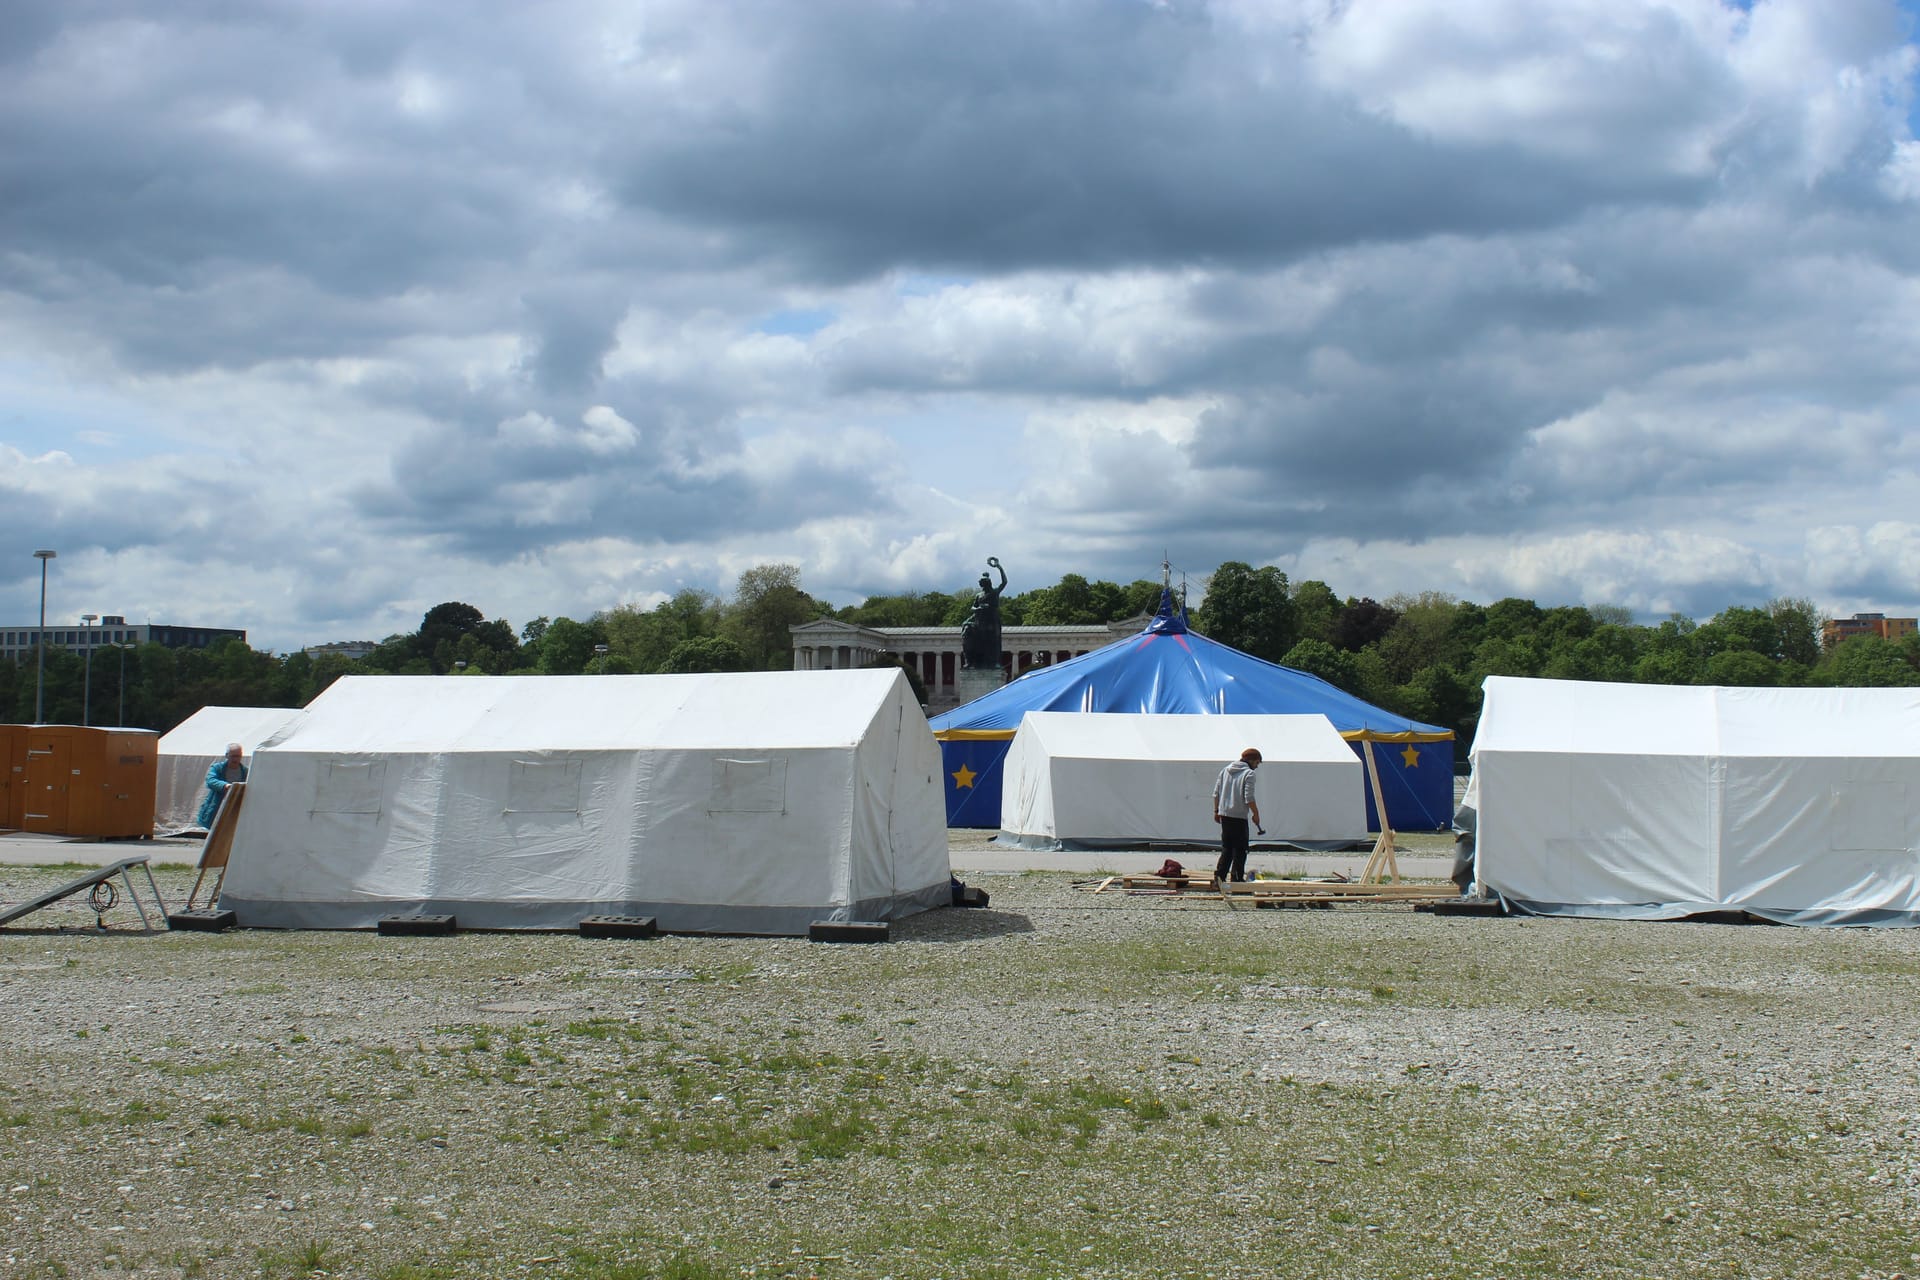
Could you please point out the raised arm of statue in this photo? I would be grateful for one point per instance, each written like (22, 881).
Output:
(992, 592)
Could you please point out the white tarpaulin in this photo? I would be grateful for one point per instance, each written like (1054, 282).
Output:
(191, 747)
(739, 803)
(1654, 801)
(1080, 780)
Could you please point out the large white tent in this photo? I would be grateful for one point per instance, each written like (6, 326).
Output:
(1087, 780)
(190, 748)
(739, 803)
(1655, 802)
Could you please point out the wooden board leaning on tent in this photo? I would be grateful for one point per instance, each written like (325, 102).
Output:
(1381, 866)
(219, 842)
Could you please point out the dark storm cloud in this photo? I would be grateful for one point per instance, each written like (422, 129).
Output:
(534, 480)
(1001, 136)
(576, 329)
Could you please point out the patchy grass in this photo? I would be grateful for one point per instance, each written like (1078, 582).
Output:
(1123, 1087)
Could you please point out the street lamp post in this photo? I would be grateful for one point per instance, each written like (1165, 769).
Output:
(122, 649)
(86, 695)
(40, 650)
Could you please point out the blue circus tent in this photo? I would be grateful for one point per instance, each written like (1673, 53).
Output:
(1168, 669)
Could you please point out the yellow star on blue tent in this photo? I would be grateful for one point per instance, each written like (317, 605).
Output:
(963, 776)
(1411, 757)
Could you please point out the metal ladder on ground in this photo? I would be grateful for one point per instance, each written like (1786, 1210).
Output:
(101, 878)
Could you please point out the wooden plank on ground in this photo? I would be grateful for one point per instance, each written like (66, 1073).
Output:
(1334, 889)
(1193, 882)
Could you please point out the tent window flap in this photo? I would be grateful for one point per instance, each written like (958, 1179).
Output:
(749, 786)
(543, 786)
(350, 786)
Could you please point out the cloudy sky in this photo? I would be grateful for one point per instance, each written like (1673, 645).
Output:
(314, 315)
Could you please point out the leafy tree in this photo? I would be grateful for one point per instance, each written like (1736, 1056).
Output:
(698, 612)
(1072, 602)
(1512, 617)
(390, 655)
(1738, 629)
(1506, 656)
(1375, 683)
(1741, 668)
(1611, 615)
(59, 680)
(1137, 597)
(1667, 666)
(294, 681)
(644, 639)
(1249, 609)
(1361, 623)
(566, 646)
(1422, 636)
(928, 609)
(766, 602)
(1864, 662)
(457, 632)
(706, 653)
(454, 617)
(1441, 695)
(1316, 657)
(1315, 606)
(1608, 654)
(1563, 626)
(1797, 622)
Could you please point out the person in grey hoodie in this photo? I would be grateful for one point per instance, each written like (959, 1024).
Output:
(1233, 805)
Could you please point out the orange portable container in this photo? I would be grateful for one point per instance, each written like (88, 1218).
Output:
(73, 781)
(13, 765)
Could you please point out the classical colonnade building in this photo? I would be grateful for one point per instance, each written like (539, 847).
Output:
(934, 652)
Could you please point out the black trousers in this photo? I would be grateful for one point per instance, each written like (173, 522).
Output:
(1233, 850)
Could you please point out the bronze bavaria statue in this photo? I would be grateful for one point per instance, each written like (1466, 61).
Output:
(980, 633)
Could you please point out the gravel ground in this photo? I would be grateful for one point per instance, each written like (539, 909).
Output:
(1061, 1084)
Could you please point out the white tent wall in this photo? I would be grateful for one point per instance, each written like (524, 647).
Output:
(191, 747)
(1108, 779)
(745, 803)
(1654, 802)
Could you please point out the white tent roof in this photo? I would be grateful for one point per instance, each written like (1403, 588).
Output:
(189, 749)
(593, 713)
(751, 803)
(1661, 801)
(1597, 718)
(1208, 739)
(1111, 778)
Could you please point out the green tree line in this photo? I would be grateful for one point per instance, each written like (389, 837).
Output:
(1422, 656)
(151, 686)
(1425, 655)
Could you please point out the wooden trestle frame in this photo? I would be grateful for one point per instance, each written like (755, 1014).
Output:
(1381, 867)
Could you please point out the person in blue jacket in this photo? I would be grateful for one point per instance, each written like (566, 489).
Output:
(220, 775)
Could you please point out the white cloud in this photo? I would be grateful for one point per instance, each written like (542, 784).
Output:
(312, 321)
